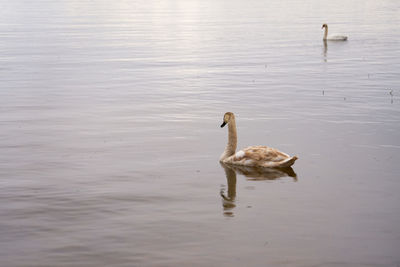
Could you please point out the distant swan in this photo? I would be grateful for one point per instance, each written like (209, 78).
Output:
(253, 156)
(332, 37)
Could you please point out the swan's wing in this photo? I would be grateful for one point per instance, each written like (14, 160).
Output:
(264, 153)
(257, 154)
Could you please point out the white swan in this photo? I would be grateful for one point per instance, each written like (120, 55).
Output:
(253, 156)
(332, 37)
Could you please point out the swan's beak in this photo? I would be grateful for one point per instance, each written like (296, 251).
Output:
(223, 124)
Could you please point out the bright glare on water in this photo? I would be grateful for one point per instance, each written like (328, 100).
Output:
(110, 137)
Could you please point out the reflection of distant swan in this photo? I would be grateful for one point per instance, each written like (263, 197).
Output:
(253, 156)
(332, 37)
(325, 48)
(252, 173)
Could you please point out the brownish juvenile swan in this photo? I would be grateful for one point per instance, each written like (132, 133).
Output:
(253, 156)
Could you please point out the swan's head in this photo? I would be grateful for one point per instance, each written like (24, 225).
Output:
(324, 26)
(227, 118)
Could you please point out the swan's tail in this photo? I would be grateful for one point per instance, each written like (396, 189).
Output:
(289, 162)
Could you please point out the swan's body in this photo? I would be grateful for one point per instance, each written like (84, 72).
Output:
(332, 37)
(253, 156)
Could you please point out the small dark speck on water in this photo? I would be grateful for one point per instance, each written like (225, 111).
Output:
(249, 207)
(323, 92)
(391, 92)
(344, 98)
(266, 243)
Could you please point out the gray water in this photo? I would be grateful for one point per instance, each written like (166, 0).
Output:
(110, 137)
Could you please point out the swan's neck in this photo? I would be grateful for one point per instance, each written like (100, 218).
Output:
(326, 33)
(232, 140)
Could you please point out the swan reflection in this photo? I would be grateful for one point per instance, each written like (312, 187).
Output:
(252, 174)
(228, 201)
(325, 49)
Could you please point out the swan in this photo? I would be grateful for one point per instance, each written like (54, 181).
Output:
(332, 37)
(253, 156)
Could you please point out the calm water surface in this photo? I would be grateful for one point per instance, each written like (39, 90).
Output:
(110, 137)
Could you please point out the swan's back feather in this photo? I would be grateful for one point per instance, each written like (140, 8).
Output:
(261, 156)
(337, 38)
